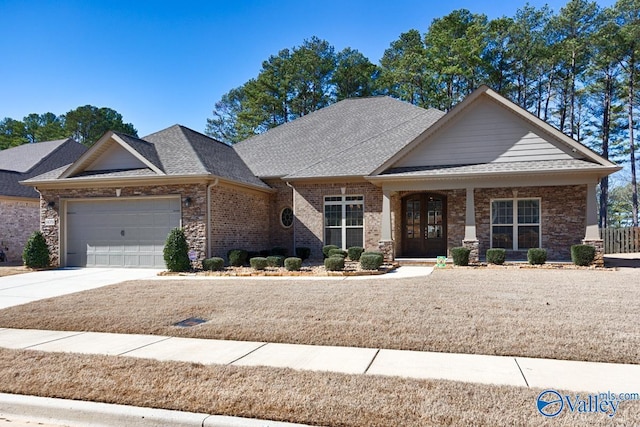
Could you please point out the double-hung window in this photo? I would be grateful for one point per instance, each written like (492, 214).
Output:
(344, 221)
(515, 224)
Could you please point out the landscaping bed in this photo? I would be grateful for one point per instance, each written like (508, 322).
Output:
(351, 268)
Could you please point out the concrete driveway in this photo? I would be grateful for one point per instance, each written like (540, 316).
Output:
(28, 287)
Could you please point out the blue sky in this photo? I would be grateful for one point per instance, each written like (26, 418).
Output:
(159, 63)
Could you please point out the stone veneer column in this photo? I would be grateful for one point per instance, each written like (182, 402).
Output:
(386, 244)
(470, 240)
(592, 233)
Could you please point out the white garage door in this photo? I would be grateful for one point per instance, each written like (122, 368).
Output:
(120, 233)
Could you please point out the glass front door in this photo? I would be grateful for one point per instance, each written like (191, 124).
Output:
(424, 226)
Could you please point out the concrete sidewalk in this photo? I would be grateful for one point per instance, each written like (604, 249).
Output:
(500, 370)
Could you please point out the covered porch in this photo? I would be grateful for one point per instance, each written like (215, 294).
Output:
(426, 218)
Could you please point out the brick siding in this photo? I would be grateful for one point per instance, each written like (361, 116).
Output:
(239, 220)
(562, 216)
(18, 220)
(280, 235)
(309, 220)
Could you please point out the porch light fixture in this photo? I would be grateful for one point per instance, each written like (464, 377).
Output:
(187, 201)
(51, 204)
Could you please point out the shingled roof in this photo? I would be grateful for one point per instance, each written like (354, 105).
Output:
(175, 151)
(29, 160)
(349, 138)
(185, 151)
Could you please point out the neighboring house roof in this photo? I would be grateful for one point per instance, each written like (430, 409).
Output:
(349, 138)
(173, 152)
(29, 160)
(25, 157)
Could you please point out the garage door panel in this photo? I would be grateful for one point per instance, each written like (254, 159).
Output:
(95, 231)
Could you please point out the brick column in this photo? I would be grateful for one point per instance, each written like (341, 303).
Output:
(386, 244)
(474, 246)
(592, 233)
(598, 259)
(470, 240)
(387, 249)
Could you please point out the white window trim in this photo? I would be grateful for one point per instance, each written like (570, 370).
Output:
(515, 218)
(343, 226)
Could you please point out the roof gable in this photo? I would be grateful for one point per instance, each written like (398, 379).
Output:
(175, 152)
(487, 128)
(116, 152)
(115, 157)
(485, 132)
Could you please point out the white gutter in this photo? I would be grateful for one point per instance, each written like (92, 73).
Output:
(209, 187)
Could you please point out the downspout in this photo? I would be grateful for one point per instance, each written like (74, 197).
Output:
(293, 206)
(209, 187)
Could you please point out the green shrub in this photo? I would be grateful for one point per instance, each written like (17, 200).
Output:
(36, 251)
(583, 255)
(338, 252)
(258, 263)
(293, 264)
(334, 263)
(537, 256)
(303, 252)
(496, 256)
(279, 251)
(371, 260)
(176, 251)
(327, 248)
(355, 252)
(460, 255)
(213, 264)
(275, 261)
(237, 257)
(373, 252)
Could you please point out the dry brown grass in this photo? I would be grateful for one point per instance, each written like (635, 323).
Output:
(12, 269)
(562, 314)
(282, 394)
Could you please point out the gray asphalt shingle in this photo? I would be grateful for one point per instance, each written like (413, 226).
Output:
(498, 167)
(30, 160)
(177, 151)
(351, 137)
(144, 148)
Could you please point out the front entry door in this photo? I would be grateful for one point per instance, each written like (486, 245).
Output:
(424, 225)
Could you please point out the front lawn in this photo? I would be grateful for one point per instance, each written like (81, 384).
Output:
(316, 398)
(562, 314)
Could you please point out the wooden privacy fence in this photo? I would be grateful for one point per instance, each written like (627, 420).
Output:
(620, 240)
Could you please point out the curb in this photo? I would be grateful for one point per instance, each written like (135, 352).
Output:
(95, 414)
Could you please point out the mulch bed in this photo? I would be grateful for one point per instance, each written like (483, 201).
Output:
(351, 268)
